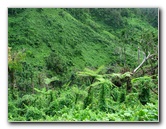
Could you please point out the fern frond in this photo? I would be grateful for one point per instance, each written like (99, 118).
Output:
(116, 75)
(49, 80)
(96, 84)
(127, 74)
(43, 92)
(99, 69)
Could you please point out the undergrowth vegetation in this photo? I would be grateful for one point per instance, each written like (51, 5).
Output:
(71, 64)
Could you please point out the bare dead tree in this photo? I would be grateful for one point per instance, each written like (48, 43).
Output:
(138, 55)
(144, 60)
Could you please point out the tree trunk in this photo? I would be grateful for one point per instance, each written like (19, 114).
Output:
(138, 55)
(144, 60)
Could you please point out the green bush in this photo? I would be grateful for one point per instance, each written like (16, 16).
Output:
(34, 114)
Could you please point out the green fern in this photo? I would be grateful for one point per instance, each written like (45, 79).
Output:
(49, 80)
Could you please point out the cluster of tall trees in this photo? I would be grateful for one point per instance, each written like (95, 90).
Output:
(114, 16)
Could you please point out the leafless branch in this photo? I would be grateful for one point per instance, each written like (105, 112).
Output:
(154, 91)
(144, 60)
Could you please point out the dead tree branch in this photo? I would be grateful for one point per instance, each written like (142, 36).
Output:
(144, 60)
(154, 91)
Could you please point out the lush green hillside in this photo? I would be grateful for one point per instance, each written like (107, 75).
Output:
(49, 47)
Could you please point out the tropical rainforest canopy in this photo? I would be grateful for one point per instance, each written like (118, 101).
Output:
(83, 64)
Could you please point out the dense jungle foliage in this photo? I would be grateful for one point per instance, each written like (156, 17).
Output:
(83, 64)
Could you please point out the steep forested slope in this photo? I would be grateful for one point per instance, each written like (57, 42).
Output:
(49, 47)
